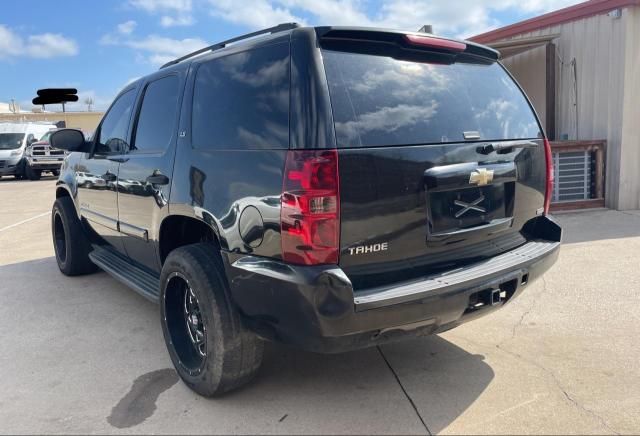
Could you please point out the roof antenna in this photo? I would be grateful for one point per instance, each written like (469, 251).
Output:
(427, 28)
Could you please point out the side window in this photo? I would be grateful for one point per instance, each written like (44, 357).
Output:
(241, 101)
(158, 114)
(112, 137)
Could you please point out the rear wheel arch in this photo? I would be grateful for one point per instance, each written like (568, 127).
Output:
(62, 192)
(179, 230)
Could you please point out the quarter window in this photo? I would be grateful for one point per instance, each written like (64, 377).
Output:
(241, 101)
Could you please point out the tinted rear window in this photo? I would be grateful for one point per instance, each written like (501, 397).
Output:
(380, 101)
(241, 101)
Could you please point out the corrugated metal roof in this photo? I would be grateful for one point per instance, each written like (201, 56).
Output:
(571, 13)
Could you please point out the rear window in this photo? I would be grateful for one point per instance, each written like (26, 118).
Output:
(380, 101)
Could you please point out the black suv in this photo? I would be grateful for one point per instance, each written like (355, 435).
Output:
(330, 188)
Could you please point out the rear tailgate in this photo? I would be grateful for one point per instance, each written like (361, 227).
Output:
(441, 159)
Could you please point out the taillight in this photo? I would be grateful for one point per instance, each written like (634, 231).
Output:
(432, 42)
(310, 207)
(549, 185)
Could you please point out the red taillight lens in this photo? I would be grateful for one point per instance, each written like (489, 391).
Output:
(429, 41)
(310, 207)
(549, 188)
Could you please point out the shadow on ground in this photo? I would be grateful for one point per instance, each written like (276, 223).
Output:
(598, 224)
(447, 378)
(118, 334)
(13, 179)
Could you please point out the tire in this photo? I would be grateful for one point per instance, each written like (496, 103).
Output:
(227, 354)
(31, 173)
(70, 243)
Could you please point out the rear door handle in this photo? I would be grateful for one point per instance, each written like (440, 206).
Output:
(505, 147)
(118, 159)
(158, 179)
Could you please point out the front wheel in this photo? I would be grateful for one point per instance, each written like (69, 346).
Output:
(212, 351)
(31, 173)
(70, 242)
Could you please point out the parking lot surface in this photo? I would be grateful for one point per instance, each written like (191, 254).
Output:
(86, 355)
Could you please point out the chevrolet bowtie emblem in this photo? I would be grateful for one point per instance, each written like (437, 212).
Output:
(481, 177)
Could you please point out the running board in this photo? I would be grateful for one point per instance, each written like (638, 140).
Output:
(121, 268)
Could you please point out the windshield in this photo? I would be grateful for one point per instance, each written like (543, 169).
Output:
(381, 101)
(45, 137)
(10, 141)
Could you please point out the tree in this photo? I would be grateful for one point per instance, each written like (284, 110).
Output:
(89, 102)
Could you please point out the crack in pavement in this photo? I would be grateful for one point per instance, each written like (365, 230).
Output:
(568, 397)
(406, 394)
(526, 313)
(627, 213)
(566, 394)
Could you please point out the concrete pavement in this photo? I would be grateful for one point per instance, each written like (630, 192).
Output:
(86, 355)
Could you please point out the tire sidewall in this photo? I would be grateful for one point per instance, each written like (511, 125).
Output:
(31, 173)
(207, 287)
(58, 210)
(77, 244)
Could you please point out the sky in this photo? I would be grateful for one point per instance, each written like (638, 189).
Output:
(100, 46)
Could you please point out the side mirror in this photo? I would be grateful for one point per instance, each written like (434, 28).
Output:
(69, 139)
(31, 140)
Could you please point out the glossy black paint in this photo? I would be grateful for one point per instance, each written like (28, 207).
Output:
(313, 307)
(403, 196)
(388, 194)
(68, 139)
(311, 118)
(144, 187)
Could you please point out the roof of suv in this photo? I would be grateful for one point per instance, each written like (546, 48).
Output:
(330, 32)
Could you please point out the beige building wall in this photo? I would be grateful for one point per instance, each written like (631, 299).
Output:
(529, 69)
(86, 121)
(629, 194)
(594, 106)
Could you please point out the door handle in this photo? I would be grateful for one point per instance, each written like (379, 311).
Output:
(118, 159)
(505, 147)
(158, 179)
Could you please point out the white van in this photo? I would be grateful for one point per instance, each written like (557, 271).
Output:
(14, 139)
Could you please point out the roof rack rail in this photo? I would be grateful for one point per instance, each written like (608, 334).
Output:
(275, 29)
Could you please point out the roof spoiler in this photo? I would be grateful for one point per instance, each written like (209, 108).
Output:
(406, 40)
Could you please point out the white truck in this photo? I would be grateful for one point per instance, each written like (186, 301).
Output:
(15, 140)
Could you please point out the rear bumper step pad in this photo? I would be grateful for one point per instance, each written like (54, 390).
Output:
(468, 276)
